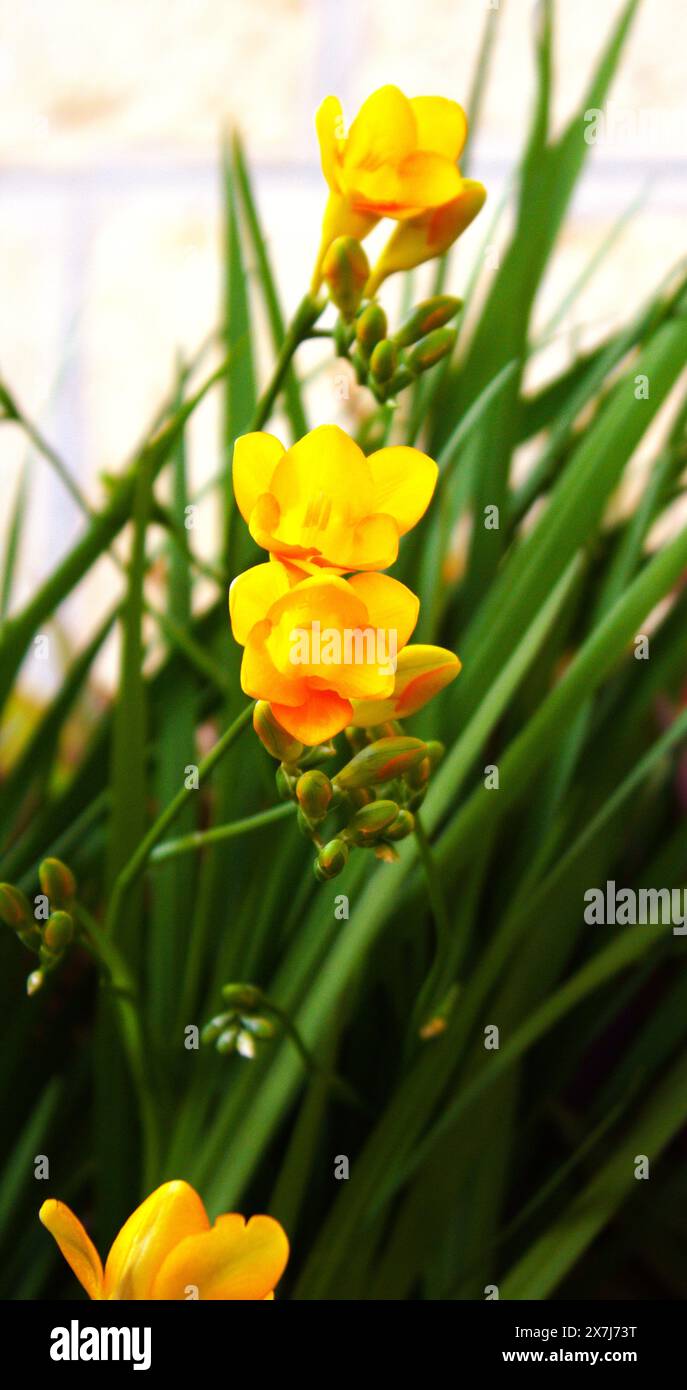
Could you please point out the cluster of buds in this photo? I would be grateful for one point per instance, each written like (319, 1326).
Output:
(384, 362)
(243, 1025)
(47, 933)
(371, 799)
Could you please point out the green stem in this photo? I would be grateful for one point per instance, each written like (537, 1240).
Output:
(136, 864)
(299, 329)
(198, 839)
(125, 999)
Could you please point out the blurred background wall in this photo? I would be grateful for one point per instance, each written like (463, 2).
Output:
(110, 227)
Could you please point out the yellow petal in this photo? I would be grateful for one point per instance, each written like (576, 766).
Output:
(372, 545)
(76, 1245)
(322, 715)
(427, 180)
(329, 124)
(441, 125)
(383, 132)
(391, 607)
(252, 594)
(260, 675)
(169, 1215)
(323, 473)
(255, 459)
(403, 480)
(233, 1260)
(422, 238)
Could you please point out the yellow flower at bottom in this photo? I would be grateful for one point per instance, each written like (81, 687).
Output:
(169, 1250)
(421, 672)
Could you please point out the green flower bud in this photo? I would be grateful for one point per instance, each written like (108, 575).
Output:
(368, 824)
(15, 910)
(403, 825)
(245, 1045)
(285, 784)
(359, 796)
(383, 361)
(435, 752)
(419, 775)
(58, 931)
(241, 997)
(430, 315)
(381, 761)
(346, 271)
(226, 1042)
(57, 882)
(331, 860)
(314, 792)
(214, 1029)
(370, 329)
(34, 982)
(431, 350)
(277, 741)
(260, 1027)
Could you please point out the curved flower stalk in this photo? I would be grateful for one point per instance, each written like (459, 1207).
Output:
(323, 505)
(398, 160)
(169, 1250)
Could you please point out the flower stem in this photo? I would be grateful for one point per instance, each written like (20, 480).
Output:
(299, 329)
(441, 922)
(198, 839)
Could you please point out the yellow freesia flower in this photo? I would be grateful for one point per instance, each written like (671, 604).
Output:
(398, 160)
(421, 672)
(323, 504)
(168, 1250)
(314, 645)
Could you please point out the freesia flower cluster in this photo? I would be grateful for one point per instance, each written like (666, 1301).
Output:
(331, 519)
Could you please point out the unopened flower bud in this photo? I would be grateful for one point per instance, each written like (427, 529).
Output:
(285, 784)
(226, 1042)
(371, 821)
(214, 1029)
(277, 741)
(370, 329)
(331, 860)
(383, 361)
(403, 825)
(314, 792)
(435, 752)
(34, 982)
(346, 271)
(431, 350)
(14, 907)
(419, 775)
(245, 1045)
(57, 882)
(381, 761)
(430, 315)
(58, 931)
(260, 1027)
(242, 997)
